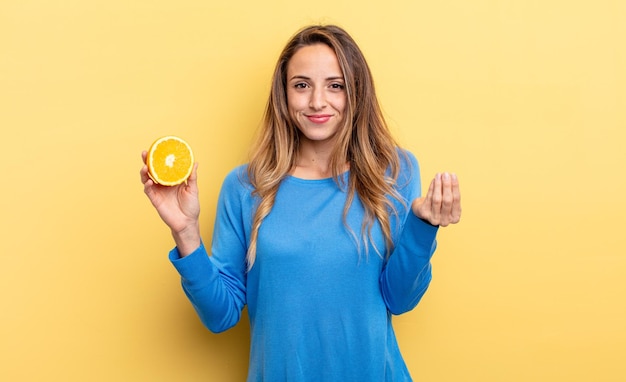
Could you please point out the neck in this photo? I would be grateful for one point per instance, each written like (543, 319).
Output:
(313, 162)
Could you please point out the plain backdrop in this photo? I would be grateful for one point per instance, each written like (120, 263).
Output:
(524, 100)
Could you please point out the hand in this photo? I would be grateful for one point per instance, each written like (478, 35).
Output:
(442, 204)
(178, 206)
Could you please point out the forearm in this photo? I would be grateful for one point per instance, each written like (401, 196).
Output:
(217, 297)
(408, 272)
(187, 240)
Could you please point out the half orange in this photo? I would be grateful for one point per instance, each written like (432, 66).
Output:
(169, 161)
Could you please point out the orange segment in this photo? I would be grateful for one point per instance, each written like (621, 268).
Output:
(170, 161)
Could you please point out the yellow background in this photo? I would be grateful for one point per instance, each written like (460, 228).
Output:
(525, 100)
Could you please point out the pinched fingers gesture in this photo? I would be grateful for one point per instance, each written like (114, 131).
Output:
(442, 204)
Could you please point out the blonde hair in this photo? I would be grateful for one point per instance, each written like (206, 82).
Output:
(364, 140)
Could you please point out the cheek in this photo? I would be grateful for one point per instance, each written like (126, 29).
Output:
(293, 109)
(340, 103)
(294, 103)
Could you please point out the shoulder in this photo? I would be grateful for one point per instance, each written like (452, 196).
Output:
(408, 180)
(408, 164)
(237, 179)
(407, 158)
(237, 187)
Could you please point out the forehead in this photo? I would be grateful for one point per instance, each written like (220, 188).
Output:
(310, 60)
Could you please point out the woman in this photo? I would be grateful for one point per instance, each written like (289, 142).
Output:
(323, 234)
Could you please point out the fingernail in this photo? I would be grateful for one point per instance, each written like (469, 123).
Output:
(454, 176)
(446, 176)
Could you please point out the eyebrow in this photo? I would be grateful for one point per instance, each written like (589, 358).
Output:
(301, 77)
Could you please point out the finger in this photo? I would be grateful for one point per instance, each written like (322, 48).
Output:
(435, 201)
(421, 206)
(446, 199)
(193, 177)
(143, 173)
(150, 189)
(456, 206)
(456, 191)
(148, 183)
(429, 193)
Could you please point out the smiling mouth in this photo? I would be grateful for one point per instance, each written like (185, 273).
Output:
(319, 118)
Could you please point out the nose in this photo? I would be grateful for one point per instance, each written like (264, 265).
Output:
(318, 99)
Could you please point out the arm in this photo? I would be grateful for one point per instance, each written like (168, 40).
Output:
(217, 296)
(216, 285)
(407, 274)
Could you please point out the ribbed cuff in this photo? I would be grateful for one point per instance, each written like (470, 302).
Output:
(197, 263)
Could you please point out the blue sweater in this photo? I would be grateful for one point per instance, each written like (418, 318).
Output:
(319, 308)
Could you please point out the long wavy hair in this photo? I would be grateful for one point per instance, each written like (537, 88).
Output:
(363, 141)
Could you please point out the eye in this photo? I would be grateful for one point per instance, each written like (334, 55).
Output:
(300, 85)
(337, 86)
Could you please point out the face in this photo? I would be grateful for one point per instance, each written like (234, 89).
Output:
(316, 96)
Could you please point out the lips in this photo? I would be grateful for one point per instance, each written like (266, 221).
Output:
(319, 118)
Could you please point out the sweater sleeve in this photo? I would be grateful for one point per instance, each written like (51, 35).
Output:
(407, 273)
(216, 284)
(406, 276)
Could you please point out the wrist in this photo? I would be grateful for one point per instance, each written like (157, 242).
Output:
(187, 240)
